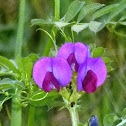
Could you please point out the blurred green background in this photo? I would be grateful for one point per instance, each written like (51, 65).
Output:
(109, 98)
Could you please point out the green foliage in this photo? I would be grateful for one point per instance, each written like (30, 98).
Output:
(41, 22)
(25, 66)
(79, 27)
(62, 24)
(33, 57)
(117, 10)
(106, 60)
(7, 64)
(81, 11)
(7, 83)
(98, 52)
(114, 120)
(73, 10)
(93, 17)
(40, 98)
(109, 119)
(124, 113)
(103, 11)
(95, 26)
(88, 9)
(28, 93)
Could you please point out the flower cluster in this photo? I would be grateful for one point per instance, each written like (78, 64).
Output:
(49, 73)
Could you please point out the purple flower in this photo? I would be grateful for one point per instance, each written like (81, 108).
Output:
(91, 75)
(93, 121)
(49, 73)
(75, 54)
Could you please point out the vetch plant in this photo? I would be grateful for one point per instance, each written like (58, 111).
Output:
(93, 121)
(75, 54)
(50, 73)
(91, 75)
(92, 71)
(76, 70)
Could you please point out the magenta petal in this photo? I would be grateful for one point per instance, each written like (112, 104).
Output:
(80, 52)
(65, 50)
(98, 66)
(50, 82)
(89, 52)
(47, 82)
(61, 71)
(90, 82)
(72, 62)
(81, 74)
(55, 83)
(40, 69)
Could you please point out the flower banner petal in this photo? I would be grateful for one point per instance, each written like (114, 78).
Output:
(98, 66)
(65, 50)
(90, 82)
(40, 69)
(81, 75)
(81, 52)
(62, 71)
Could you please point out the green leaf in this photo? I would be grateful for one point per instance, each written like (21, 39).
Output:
(61, 24)
(103, 11)
(73, 10)
(123, 17)
(5, 86)
(109, 68)
(79, 27)
(117, 10)
(80, 124)
(55, 103)
(7, 64)
(122, 23)
(96, 26)
(98, 52)
(121, 122)
(88, 9)
(124, 113)
(33, 57)
(41, 22)
(25, 66)
(2, 100)
(38, 96)
(106, 60)
(7, 83)
(109, 119)
(41, 98)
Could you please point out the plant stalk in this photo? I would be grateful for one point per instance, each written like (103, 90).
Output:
(16, 113)
(20, 30)
(16, 109)
(0, 123)
(74, 115)
(54, 29)
(57, 10)
(31, 115)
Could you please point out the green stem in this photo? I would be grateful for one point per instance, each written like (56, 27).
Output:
(50, 42)
(16, 110)
(16, 113)
(72, 107)
(7, 73)
(31, 116)
(0, 123)
(54, 29)
(57, 10)
(74, 115)
(19, 40)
